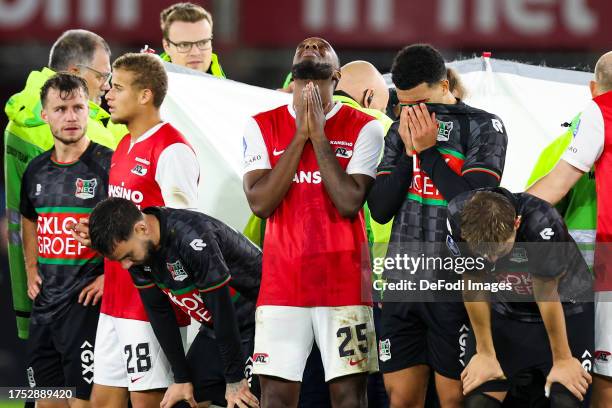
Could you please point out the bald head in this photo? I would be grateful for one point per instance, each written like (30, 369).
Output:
(362, 81)
(603, 73)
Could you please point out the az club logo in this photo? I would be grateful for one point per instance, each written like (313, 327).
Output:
(139, 170)
(343, 152)
(261, 358)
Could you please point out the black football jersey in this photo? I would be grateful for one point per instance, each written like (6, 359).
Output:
(198, 254)
(54, 195)
(543, 248)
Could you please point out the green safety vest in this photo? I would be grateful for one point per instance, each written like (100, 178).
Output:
(377, 233)
(25, 137)
(214, 69)
(579, 206)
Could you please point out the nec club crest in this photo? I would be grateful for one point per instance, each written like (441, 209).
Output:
(85, 188)
(177, 271)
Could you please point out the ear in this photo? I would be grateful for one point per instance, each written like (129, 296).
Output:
(44, 116)
(445, 86)
(336, 77)
(166, 45)
(74, 70)
(368, 96)
(517, 222)
(140, 228)
(593, 88)
(146, 96)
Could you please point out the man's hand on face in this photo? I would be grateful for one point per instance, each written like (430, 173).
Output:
(404, 131)
(423, 127)
(316, 112)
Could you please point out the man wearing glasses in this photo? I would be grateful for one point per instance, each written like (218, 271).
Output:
(187, 31)
(27, 135)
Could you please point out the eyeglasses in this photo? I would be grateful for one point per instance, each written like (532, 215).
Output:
(102, 76)
(185, 46)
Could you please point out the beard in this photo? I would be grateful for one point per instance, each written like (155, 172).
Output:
(68, 140)
(310, 70)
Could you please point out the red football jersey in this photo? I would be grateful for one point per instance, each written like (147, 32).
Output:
(312, 255)
(132, 176)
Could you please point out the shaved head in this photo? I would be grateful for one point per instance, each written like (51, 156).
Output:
(362, 81)
(603, 72)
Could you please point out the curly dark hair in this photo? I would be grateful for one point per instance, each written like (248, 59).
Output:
(416, 64)
(66, 84)
(112, 221)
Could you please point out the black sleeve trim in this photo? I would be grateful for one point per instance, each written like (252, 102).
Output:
(225, 325)
(164, 324)
(389, 190)
(447, 181)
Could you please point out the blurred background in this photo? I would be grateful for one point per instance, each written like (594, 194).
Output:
(255, 41)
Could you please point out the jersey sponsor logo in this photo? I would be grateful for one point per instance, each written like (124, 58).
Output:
(85, 188)
(384, 350)
(518, 255)
(547, 233)
(177, 271)
(55, 239)
(191, 303)
(343, 153)
(31, 380)
(341, 143)
(139, 170)
(87, 362)
(252, 158)
(521, 282)
(452, 246)
(309, 177)
(423, 189)
(602, 357)
(277, 152)
(38, 190)
(261, 358)
(463, 335)
(134, 196)
(197, 244)
(444, 130)
(497, 125)
(143, 161)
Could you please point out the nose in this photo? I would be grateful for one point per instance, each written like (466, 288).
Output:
(105, 86)
(125, 264)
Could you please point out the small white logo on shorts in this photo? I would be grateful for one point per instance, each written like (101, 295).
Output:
(546, 233)
(31, 379)
(261, 358)
(87, 361)
(384, 350)
(587, 364)
(38, 189)
(197, 244)
(248, 370)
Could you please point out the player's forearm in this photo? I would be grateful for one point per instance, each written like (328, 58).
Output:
(30, 248)
(265, 193)
(347, 195)
(553, 316)
(449, 183)
(479, 312)
(166, 329)
(226, 332)
(389, 191)
(556, 184)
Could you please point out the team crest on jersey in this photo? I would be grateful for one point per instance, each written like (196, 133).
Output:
(518, 255)
(444, 130)
(139, 170)
(343, 152)
(177, 271)
(85, 188)
(384, 350)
